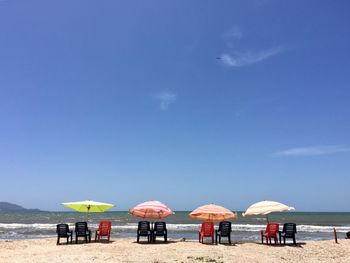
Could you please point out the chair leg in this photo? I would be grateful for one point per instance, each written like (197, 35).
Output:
(294, 241)
(229, 239)
(138, 239)
(76, 240)
(58, 241)
(216, 239)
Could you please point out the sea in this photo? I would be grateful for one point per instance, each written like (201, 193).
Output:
(310, 225)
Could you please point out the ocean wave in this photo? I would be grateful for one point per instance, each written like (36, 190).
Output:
(176, 227)
(313, 228)
(31, 226)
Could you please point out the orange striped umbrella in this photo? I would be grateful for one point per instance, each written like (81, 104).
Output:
(151, 209)
(212, 213)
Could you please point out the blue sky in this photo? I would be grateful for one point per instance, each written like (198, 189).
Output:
(187, 102)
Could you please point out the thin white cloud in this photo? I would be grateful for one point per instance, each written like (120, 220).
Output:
(241, 59)
(235, 33)
(165, 99)
(314, 151)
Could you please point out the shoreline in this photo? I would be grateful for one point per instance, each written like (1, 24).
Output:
(127, 250)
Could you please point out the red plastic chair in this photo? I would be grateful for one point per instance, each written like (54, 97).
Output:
(104, 230)
(207, 230)
(272, 230)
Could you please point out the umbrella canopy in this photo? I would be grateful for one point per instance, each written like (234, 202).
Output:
(151, 209)
(266, 207)
(212, 213)
(89, 206)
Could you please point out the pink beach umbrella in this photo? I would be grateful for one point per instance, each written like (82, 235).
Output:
(213, 213)
(151, 209)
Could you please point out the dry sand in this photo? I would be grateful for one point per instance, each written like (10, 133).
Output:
(127, 250)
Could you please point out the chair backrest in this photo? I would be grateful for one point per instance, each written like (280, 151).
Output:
(62, 229)
(159, 226)
(289, 229)
(81, 227)
(105, 227)
(225, 227)
(144, 227)
(272, 228)
(207, 228)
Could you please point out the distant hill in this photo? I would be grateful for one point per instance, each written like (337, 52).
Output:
(8, 207)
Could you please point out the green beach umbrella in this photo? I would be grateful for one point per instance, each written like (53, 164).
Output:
(89, 206)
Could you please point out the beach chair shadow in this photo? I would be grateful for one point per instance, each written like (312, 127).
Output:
(227, 244)
(297, 245)
(104, 241)
(154, 243)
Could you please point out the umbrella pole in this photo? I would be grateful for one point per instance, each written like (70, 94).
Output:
(267, 219)
(152, 231)
(87, 216)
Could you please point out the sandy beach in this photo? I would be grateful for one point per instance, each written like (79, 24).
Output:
(127, 250)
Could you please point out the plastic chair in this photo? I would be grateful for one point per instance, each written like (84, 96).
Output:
(81, 230)
(160, 230)
(104, 230)
(207, 230)
(62, 230)
(144, 230)
(289, 230)
(271, 232)
(223, 231)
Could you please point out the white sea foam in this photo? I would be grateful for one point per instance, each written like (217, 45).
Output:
(176, 227)
(32, 226)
